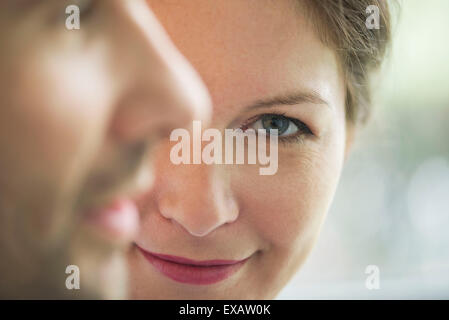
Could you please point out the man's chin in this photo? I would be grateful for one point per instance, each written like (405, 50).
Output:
(101, 267)
(105, 280)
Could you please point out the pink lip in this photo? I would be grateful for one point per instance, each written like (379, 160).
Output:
(190, 271)
(118, 221)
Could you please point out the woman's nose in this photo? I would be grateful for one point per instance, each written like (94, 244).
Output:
(196, 197)
(162, 91)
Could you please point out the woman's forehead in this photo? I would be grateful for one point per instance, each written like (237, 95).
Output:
(249, 50)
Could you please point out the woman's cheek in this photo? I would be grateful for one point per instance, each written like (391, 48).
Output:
(290, 205)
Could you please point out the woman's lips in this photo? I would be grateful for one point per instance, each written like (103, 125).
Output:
(193, 272)
(117, 221)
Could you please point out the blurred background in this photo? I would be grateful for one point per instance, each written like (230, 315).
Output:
(392, 206)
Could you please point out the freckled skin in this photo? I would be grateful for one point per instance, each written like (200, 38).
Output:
(245, 51)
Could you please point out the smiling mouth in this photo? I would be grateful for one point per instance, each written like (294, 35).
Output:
(190, 271)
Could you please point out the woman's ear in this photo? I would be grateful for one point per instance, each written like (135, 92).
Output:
(350, 136)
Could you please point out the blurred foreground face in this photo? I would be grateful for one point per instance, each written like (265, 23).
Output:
(225, 231)
(79, 113)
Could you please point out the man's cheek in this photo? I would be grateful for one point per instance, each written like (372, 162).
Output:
(53, 139)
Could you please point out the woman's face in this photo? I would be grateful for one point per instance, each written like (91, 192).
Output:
(79, 112)
(256, 57)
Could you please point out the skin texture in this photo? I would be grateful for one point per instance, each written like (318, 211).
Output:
(245, 51)
(80, 112)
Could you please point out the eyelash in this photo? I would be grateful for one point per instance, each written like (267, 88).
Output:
(303, 129)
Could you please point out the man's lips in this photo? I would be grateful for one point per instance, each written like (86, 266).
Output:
(117, 221)
(185, 270)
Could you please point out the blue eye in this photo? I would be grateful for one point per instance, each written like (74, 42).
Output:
(283, 125)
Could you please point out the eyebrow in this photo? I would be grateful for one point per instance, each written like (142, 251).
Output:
(291, 99)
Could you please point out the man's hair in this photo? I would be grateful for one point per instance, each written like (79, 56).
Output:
(341, 25)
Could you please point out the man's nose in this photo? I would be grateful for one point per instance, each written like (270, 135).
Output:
(163, 91)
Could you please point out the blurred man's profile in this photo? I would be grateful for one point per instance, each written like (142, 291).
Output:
(80, 111)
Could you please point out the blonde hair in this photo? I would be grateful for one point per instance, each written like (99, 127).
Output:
(341, 25)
